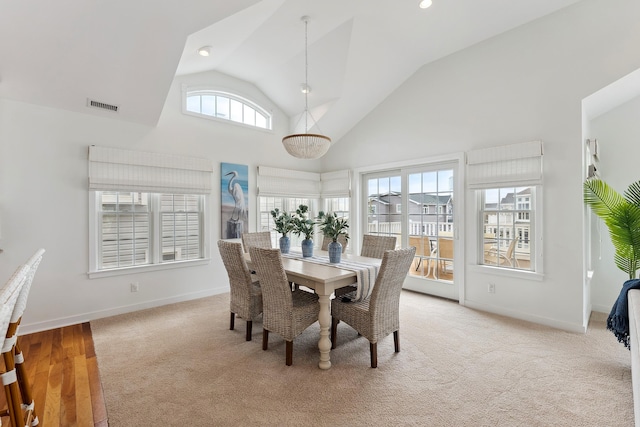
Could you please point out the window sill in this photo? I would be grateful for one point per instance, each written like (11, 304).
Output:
(146, 268)
(507, 272)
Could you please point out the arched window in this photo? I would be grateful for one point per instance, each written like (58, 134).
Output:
(226, 106)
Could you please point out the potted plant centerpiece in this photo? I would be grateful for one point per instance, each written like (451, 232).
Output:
(306, 226)
(332, 227)
(284, 225)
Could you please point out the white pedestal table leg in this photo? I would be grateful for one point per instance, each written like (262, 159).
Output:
(324, 318)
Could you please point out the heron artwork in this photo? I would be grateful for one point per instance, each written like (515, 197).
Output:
(233, 225)
(235, 189)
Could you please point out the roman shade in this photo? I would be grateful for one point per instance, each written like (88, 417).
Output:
(335, 184)
(115, 169)
(508, 165)
(275, 182)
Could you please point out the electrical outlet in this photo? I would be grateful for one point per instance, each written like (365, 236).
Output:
(491, 288)
(134, 287)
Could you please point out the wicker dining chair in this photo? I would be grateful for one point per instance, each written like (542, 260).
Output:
(14, 351)
(261, 239)
(286, 313)
(8, 297)
(246, 295)
(374, 246)
(379, 314)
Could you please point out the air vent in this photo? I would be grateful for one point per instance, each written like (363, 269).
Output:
(102, 105)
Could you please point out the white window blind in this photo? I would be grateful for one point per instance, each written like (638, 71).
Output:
(115, 169)
(335, 184)
(515, 164)
(275, 182)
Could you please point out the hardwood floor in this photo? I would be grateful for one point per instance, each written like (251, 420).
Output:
(64, 377)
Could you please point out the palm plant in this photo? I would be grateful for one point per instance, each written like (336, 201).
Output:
(622, 217)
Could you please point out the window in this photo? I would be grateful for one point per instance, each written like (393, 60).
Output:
(508, 181)
(285, 204)
(128, 224)
(226, 106)
(507, 225)
(147, 209)
(339, 205)
(398, 208)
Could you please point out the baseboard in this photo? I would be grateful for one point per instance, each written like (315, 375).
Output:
(601, 308)
(554, 323)
(30, 328)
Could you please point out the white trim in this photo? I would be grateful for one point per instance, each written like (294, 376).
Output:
(506, 272)
(147, 268)
(61, 322)
(566, 326)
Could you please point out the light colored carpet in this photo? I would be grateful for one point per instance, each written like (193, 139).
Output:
(180, 365)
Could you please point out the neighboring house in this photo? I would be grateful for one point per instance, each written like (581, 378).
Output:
(428, 214)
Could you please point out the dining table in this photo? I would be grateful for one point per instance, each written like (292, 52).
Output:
(324, 279)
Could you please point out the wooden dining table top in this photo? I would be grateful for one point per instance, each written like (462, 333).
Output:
(314, 275)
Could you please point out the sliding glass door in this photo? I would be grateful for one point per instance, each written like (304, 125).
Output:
(416, 204)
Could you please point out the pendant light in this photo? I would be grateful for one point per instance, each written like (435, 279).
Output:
(306, 145)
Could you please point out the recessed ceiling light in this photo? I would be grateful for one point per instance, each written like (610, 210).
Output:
(305, 88)
(424, 4)
(204, 51)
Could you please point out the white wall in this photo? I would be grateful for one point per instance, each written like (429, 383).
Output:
(524, 85)
(618, 135)
(44, 199)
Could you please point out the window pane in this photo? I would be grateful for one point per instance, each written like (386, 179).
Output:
(261, 121)
(193, 103)
(236, 110)
(430, 225)
(506, 227)
(249, 115)
(222, 105)
(208, 105)
(267, 204)
(181, 227)
(385, 194)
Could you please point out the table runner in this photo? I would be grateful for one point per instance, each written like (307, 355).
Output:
(365, 273)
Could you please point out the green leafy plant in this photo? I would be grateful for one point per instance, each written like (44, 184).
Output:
(283, 222)
(332, 226)
(302, 224)
(621, 215)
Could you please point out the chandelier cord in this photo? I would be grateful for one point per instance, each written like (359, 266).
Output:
(306, 76)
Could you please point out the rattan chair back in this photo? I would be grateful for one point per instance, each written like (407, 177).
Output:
(260, 239)
(374, 246)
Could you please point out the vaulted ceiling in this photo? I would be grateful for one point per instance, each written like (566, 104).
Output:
(127, 52)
